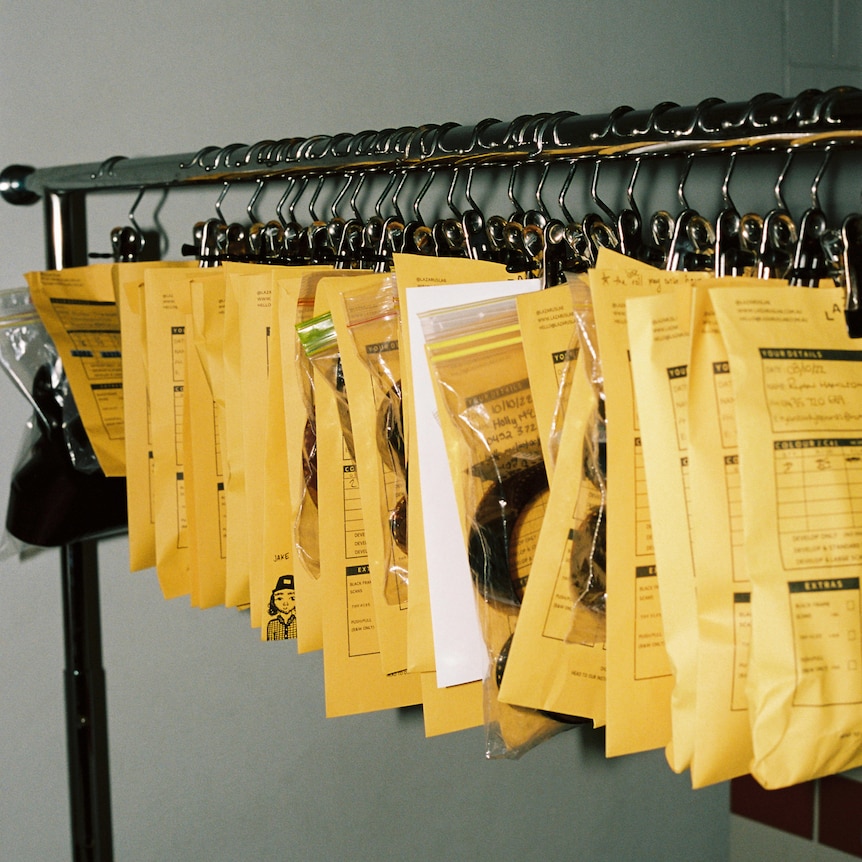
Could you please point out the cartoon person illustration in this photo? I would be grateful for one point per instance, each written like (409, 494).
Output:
(282, 610)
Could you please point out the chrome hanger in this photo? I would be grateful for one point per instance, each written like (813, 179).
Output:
(292, 229)
(629, 223)
(778, 239)
(810, 259)
(417, 237)
(851, 234)
(736, 237)
(692, 244)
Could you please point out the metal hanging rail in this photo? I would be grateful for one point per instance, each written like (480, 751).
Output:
(814, 118)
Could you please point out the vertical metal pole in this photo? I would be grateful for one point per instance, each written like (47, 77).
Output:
(86, 707)
(86, 702)
(65, 229)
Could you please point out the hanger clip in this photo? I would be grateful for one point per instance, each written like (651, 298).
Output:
(851, 231)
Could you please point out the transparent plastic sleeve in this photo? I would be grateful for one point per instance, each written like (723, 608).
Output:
(581, 306)
(478, 364)
(374, 324)
(588, 582)
(307, 528)
(318, 339)
(31, 360)
(58, 491)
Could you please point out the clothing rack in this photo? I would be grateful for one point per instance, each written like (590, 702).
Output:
(812, 120)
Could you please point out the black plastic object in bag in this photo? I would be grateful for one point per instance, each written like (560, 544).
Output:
(51, 502)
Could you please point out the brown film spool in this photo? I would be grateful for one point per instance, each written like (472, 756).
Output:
(390, 443)
(492, 544)
(398, 523)
(587, 562)
(390, 430)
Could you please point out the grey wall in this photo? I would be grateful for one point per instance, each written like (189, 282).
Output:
(219, 747)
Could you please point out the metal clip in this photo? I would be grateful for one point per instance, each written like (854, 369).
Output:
(851, 234)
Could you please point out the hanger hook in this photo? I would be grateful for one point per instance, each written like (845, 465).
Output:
(815, 185)
(306, 149)
(701, 108)
(468, 190)
(164, 241)
(160, 230)
(357, 215)
(224, 155)
(510, 191)
(594, 193)
(477, 129)
(400, 185)
(332, 143)
(428, 141)
(725, 185)
(680, 191)
(313, 199)
(258, 188)
(256, 153)
(286, 149)
(302, 183)
(291, 182)
(630, 188)
(132, 220)
(378, 206)
(197, 158)
(421, 194)
(561, 200)
(551, 127)
(540, 188)
(333, 207)
(779, 182)
(451, 193)
(131, 240)
(107, 167)
(222, 195)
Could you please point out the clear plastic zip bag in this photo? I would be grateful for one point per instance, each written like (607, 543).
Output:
(477, 361)
(588, 559)
(58, 493)
(307, 527)
(374, 325)
(320, 343)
